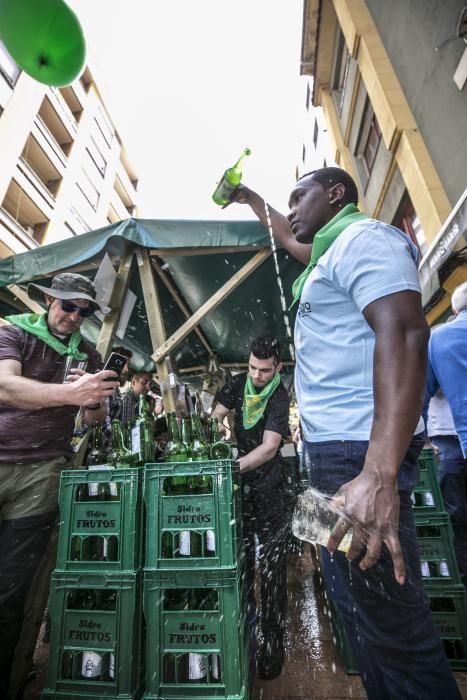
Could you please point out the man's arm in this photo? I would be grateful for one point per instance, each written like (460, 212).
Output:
(261, 454)
(220, 413)
(25, 393)
(372, 498)
(280, 224)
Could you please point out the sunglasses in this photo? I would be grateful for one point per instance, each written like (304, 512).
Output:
(69, 308)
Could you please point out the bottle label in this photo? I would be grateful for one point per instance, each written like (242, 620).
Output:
(211, 541)
(136, 440)
(185, 543)
(91, 666)
(197, 667)
(428, 499)
(443, 569)
(425, 569)
(215, 666)
(93, 489)
(112, 666)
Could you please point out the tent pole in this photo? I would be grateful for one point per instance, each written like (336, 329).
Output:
(119, 291)
(155, 322)
(164, 348)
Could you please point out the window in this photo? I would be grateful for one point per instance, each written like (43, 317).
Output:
(341, 68)
(315, 133)
(8, 68)
(104, 125)
(88, 189)
(369, 138)
(407, 220)
(75, 223)
(96, 156)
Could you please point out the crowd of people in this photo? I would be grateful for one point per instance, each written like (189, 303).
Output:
(367, 378)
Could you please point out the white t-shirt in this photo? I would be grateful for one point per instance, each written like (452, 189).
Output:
(334, 343)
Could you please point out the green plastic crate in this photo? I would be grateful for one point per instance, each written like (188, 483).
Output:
(199, 619)
(449, 612)
(110, 528)
(211, 520)
(109, 630)
(340, 638)
(426, 497)
(438, 559)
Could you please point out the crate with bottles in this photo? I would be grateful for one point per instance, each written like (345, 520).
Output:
(449, 612)
(96, 636)
(197, 642)
(437, 556)
(100, 519)
(193, 508)
(426, 497)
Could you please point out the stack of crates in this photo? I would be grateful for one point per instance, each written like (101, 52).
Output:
(95, 595)
(440, 572)
(193, 594)
(441, 580)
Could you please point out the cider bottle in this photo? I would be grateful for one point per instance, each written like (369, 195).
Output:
(230, 180)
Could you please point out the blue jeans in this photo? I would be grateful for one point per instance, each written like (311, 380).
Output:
(452, 475)
(395, 643)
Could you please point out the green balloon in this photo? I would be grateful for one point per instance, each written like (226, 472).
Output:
(45, 39)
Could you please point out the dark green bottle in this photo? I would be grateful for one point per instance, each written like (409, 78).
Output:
(199, 445)
(119, 455)
(186, 437)
(219, 449)
(175, 450)
(97, 454)
(142, 435)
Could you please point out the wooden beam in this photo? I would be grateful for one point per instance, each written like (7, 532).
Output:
(227, 365)
(111, 320)
(155, 322)
(209, 250)
(166, 347)
(181, 304)
(23, 296)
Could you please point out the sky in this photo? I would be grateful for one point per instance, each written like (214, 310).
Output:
(190, 84)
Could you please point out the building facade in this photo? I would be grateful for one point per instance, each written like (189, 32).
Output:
(394, 94)
(63, 169)
(316, 151)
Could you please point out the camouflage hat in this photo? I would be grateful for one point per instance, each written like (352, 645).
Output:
(68, 285)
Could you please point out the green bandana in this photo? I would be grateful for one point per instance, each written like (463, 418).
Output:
(253, 403)
(36, 324)
(323, 240)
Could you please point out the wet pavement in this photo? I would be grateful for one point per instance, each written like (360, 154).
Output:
(313, 669)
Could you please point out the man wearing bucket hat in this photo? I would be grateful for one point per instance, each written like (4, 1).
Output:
(37, 413)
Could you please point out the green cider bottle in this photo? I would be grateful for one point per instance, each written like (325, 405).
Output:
(229, 181)
(142, 435)
(219, 449)
(186, 437)
(119, 455)
(175, 450)
(199, 445)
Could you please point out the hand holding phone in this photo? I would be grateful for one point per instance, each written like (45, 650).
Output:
(116, 363)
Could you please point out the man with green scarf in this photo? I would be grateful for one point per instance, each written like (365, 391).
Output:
(261, 406)
(360, 341)
(37, 413)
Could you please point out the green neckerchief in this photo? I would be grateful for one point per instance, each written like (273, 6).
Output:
(36, 324)
(254, 403)
(323, 240)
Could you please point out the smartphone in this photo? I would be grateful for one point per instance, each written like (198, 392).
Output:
(116, 362)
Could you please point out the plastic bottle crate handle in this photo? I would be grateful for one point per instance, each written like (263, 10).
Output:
(192, 467)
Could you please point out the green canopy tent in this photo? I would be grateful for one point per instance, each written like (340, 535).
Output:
(201, 288)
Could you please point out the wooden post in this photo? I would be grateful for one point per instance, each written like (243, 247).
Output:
(111, 321)
(155, 322)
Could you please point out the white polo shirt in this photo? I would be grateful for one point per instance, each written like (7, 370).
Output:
(334, 343)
